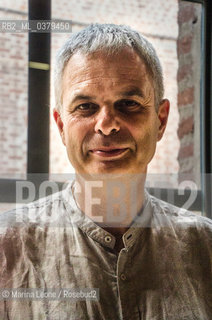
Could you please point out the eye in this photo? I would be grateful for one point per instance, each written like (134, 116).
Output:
(127, 105)
(87, 108)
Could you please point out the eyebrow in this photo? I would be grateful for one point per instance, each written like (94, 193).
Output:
(128, 93)
(82, 97)
(133, 92)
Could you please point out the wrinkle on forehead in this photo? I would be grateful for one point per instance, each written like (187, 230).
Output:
(106, 71)
(93, 63)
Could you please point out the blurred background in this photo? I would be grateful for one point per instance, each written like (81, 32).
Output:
(175, 30)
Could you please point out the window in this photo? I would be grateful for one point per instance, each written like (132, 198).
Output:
(188, 150)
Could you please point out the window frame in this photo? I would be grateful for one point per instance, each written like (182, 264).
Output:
(38, 136)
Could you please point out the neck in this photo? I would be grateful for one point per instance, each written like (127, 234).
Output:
(110, 201)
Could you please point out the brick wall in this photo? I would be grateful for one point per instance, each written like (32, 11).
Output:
(13, 100)
(157, 19)
(189, 56)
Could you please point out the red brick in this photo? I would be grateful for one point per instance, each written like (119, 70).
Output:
(4, 39)
(184, 71)
(186, 126)
(186, 13)
(186, 97)
(16, 91)
(16, 57)
(12, 170)
(15, 158)
(186, 175)
(184, 44)
(19, 35)
(4, 50)
(187, 151)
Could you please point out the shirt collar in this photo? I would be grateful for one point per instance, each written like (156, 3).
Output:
(91, 229)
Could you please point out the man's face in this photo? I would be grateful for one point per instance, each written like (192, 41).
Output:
(108, 120)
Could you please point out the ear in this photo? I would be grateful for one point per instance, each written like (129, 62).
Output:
(163, 113)
(60, 124)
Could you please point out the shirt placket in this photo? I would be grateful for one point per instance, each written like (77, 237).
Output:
(127, 298)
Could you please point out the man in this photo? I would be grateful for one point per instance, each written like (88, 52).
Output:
(148, 259)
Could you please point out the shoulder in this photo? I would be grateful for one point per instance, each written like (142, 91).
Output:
(166, 214)
(46, 211)
(25, 229)
(181, 230)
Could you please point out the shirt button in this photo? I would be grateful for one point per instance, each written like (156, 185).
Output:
(108, 239)
(123, 277)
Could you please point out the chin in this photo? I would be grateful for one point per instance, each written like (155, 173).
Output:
(109, 172)
(111, 169)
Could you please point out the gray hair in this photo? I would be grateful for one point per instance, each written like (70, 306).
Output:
(110, 38)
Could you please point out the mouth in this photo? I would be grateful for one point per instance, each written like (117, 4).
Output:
(109, 153)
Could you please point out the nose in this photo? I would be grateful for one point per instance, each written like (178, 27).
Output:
(107, 122)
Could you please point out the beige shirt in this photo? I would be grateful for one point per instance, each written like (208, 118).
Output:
(164, 271)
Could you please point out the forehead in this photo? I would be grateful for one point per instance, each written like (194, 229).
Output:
(105, 70)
